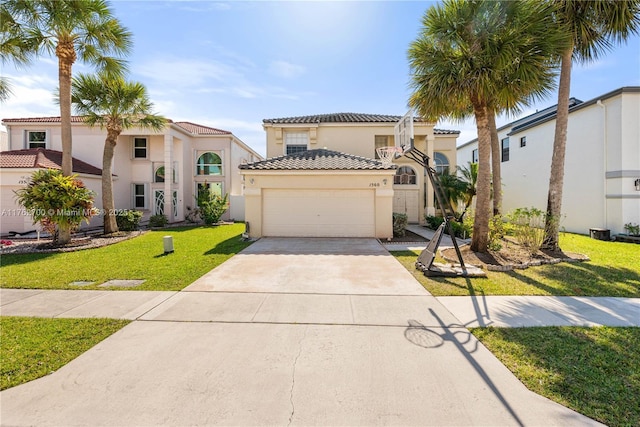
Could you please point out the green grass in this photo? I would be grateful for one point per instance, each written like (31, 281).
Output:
(594, 371)
(31, 348)
(614, 271)
(197, 250)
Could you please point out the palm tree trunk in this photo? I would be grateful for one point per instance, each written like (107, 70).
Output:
(556, 179)
(480, 239)
(108, 205)
(66, 57)
(495, 164)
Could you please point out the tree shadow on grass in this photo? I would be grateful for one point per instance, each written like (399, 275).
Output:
(17, 259)
(593, 371)
(585, 278)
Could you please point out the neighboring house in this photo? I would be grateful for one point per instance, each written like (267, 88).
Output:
(16, 168)
(197, 155)
(321, 177)
(602, 165)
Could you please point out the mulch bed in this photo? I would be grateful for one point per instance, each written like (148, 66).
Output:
(24, 246)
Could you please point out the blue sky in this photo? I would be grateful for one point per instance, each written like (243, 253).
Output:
(231, 64)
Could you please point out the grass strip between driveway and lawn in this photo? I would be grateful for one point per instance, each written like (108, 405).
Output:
(594, 371)
(31, 347)
(614, 271)
(197, 251)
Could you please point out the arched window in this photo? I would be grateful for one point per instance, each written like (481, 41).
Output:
(441, 163)
(405, 175)
(159, 175)
(209, 164)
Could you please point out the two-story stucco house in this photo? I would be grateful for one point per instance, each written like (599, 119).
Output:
(602, 166)
(196, 155)
(321, 176)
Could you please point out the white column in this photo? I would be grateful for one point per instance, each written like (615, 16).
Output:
(168, 177)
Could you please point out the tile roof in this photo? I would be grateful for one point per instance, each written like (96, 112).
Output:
(192, 128)
(44, 159)
(201, 130)
(319, 159)
(56, 119)
(349, 118)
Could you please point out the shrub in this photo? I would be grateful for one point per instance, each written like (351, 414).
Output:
(496, 233)
(632, 229)
(462, 230)
(158, 220)
(400, 221)
(56, 201)
(128, 220)
(211, 205)
(528, 227)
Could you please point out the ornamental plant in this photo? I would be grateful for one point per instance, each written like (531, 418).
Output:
(211, 205)
(59, 203)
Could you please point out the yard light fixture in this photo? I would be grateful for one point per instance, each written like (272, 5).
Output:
(637, 184)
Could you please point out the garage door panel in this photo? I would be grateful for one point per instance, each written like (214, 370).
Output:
(318, 213)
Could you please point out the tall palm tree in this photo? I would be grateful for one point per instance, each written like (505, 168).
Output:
(71, 30)
(478, 55)
(113, 104)
(593, 28)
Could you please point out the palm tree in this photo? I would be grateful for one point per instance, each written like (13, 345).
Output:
(115, 104)
(70, 30)
(14, 48)
(469, 176)
(453, 188)
(593, 28)
(479, 56)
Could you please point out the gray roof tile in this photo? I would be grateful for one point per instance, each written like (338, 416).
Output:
(319, 159)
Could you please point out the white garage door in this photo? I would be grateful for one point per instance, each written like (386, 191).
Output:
(13, 216)
(318, 213)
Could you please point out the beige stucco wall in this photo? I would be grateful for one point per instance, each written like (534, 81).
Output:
(381, 181)
(359, 139)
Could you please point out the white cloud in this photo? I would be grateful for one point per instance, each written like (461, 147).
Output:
(285, 69)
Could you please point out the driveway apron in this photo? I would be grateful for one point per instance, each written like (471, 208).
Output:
(290, 331)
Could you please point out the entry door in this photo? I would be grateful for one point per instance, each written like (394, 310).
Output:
(159, 203)
(407, 202)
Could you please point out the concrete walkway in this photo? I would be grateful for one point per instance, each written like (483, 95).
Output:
(288, 332)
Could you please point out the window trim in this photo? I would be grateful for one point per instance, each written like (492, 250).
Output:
(200, 154)
(27, 143)
(397, 175)
(134, 148)
(504, 152)
(290, 141)
(437, 165)
(134, 196)
(157, 166)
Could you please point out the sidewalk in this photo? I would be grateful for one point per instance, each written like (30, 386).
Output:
(471, 312)
(427, 233)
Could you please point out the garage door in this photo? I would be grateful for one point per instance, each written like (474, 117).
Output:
(318, 213)
(13, 216)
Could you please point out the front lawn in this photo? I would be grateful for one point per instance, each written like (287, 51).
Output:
(614, 271)
(197, 251)
(31, 348)
(594, 371)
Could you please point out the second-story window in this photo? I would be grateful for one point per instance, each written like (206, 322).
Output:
(505, 149)
(140, 148)
(441, 163)
(36, 139)
(209, 164)
(380, 141)
(296, 142)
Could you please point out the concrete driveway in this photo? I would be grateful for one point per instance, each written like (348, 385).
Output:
(289, 332)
